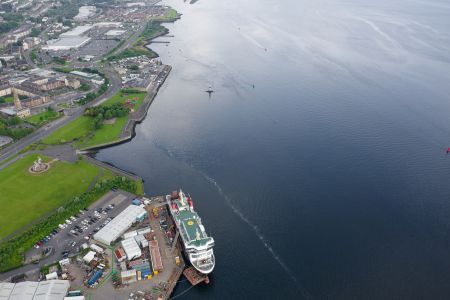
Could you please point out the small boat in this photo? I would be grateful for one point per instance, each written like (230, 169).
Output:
(210, 90)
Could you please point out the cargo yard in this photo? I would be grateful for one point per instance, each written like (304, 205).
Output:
(122, 247)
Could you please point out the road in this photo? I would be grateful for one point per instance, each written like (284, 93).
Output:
(115, 86)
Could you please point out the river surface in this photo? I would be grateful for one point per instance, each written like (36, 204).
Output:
(318, 164)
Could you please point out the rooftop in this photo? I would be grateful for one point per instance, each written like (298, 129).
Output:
(114, 229)
(77, 31)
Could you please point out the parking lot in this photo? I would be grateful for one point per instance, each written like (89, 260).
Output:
(77, 230)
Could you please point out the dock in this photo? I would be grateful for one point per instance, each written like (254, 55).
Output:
(194, 276)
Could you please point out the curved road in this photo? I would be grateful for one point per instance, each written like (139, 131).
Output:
(115, 86)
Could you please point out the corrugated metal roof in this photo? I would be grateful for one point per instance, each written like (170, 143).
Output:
(114, 229)
(6, 289)
(131, 248)
(44, 290)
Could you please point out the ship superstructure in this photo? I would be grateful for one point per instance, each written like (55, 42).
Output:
(197, 244)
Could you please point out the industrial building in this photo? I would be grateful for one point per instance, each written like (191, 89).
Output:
(72, 39)
(67, 43)
(29, 290)
(114, 229)
(94, 78)
(131, 248)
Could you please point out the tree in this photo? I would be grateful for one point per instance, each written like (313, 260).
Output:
(134, 67)
(108, 115)
(35, 32)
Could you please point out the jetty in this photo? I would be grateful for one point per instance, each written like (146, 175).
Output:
(195, 277)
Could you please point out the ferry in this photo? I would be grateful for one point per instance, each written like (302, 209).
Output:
(198, 246)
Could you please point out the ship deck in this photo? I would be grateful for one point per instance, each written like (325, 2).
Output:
(189, 222)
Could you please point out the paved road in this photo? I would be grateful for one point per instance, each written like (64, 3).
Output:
(115, 86)
(63, 239)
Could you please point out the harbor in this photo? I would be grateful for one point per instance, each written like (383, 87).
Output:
(122, 247)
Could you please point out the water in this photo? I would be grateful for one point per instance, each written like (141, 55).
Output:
(319, 163)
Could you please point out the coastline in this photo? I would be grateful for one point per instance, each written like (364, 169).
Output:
(128, 133)
(129, 129)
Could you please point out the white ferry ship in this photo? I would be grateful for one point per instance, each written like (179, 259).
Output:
(197, 244)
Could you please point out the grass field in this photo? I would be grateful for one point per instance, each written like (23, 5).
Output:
(7, 99)
(82, 129)
(107, 133)
(75, 130)
(43, 117)
(25, 197)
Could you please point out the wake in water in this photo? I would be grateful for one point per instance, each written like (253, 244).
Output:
(305, 294)
(256, 230)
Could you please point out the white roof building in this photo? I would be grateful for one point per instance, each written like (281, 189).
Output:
(115, 32)
(51, 276)
(51, 290)
(129, 234)
(6, 289)
(89, 256)
(77, 31)
(24, 290)
(64, 262)
(74, 38)
(114, 229)
(28, 290)
(66, 43)
(131, 248)
(97, 249)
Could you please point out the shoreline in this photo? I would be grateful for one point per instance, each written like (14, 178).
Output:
(130, 127)
(127, 134)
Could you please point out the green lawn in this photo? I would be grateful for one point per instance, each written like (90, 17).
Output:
(43, 117)
(75, 130)
(7, 99)
(170, 16)
(107, 133)
(122, 97)
(25, 197)
(82, 129)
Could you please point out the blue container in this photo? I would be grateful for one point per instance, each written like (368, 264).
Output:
(136, 202)
(95, 277)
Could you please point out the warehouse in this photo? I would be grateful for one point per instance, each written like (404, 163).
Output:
(67, 43)
(131, 248)
(114, 229)
(72, 39)
(51, 290)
